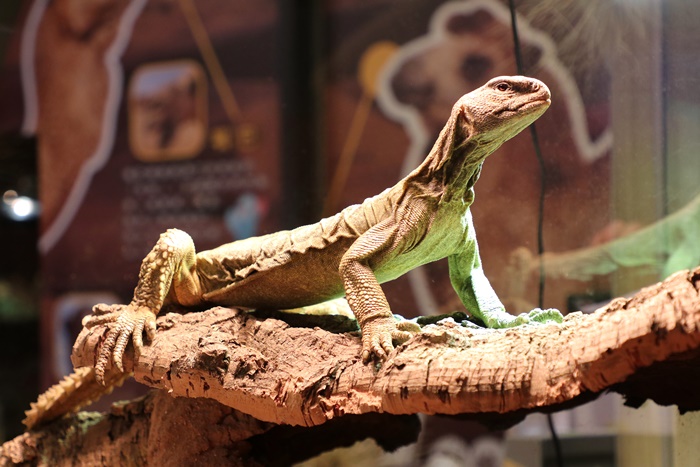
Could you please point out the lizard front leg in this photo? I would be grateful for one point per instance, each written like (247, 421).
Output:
(168, 268)
(477, 295)
(365, 295)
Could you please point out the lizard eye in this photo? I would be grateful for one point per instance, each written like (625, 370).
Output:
(503, 87)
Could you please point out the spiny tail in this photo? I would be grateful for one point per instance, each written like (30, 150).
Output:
(69, 395)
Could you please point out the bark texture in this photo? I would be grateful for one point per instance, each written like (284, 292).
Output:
(292, 372)
(160, 430)
(305, 376)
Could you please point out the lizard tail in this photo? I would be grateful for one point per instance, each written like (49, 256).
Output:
(75, 391)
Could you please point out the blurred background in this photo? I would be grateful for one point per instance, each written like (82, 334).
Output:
(120, 119)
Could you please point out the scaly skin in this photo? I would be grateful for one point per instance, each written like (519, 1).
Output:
(423, 218)
(75, 391)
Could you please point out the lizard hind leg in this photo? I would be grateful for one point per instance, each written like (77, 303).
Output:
(171, 264)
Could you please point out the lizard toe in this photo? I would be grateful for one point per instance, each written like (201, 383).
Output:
(379, 351)
(137, 338)
(408, 326)
(549, 315)
(399, 337)
(150, 326)
(98, 320)
(102, 314)
(104, 356)
(386, 345)
(522, 318)
(105, 309)
(120, 347)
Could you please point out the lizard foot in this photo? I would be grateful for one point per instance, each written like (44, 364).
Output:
(500, 319)
(125, 322)
(536, 316)
(379, 334)
(540, 316)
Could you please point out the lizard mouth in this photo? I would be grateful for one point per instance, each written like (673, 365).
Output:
(525, 107)
(535, 104)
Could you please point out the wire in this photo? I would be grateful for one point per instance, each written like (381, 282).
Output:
(540, 211)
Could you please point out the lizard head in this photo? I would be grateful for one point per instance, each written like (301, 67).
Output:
(479, 123)
(503, 107)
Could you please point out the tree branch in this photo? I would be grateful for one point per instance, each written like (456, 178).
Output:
(161, 430)
(263, 369)
(278, 373)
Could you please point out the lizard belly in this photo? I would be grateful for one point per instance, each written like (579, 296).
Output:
(306, 279)
(288, 269)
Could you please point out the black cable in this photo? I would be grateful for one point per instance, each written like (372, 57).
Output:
(540, 212)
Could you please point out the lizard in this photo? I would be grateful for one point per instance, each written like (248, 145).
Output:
(423, 218)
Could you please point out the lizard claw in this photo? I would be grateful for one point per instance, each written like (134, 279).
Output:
(125, 323)
(379, 335)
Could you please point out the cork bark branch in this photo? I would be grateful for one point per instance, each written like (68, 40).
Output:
(262, 369)
(161, 430)
(305, 376)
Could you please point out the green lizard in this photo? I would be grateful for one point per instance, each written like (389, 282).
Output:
(423, 218)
